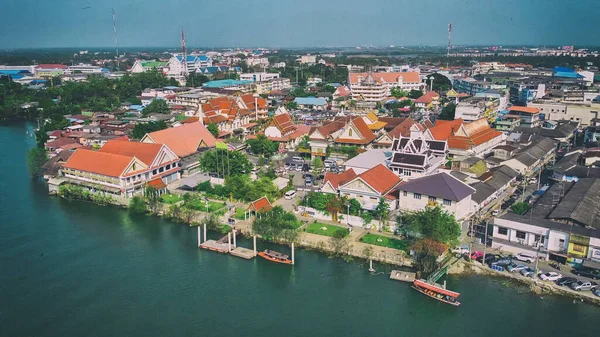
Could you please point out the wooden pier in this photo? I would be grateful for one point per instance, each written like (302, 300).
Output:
(225, 246)
(404, 276)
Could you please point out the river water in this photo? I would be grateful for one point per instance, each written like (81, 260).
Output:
(76, 269)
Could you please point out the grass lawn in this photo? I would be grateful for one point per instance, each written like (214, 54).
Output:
(213, 206)
(385, 241)
(315, 228)
(239, 214)
(170, 198)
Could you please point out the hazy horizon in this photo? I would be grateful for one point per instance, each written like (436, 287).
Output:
(310, 24)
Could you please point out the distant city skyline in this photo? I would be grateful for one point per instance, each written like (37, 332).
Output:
(284, 24)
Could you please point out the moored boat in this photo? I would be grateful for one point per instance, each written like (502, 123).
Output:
(274, 256)
(437, 292)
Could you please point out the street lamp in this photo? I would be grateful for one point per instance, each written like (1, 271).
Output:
(256, 96)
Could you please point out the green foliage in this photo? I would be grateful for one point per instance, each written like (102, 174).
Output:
(328, 88)
(74, 192)
(137, 205)
(152, 199)
(397, 92)
(367, 217)
(384, 241)
(214, 129)
(355, 207)
(158, 106)
(433, 223)
(141, 129)
(448, 112)
(262, 145)
(441, 83)
(204, 186)
(36, 158)
(520, 207)
(241, 188)
(427, 251)
(170, 198)
(195, 80)
(276, 225)
(350, 151)
(317, 165)
(291, 105)
(382, 211)
(225, 163)
(414, 94)
(304, 143)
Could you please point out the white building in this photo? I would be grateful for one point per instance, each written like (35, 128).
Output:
(257, 61)
(141, 66)
(308, 59)
(279, 65)
(258, 77)
(194, 63)
(374, 87)
(415, 157)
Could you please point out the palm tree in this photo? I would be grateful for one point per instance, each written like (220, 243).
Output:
(334, 206)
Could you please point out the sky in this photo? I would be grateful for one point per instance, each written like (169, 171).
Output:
(297, 23)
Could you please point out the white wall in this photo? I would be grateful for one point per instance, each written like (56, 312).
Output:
(408, 203)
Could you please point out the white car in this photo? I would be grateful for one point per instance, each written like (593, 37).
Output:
(461, 250)
(525, 257)
(287, 166)
(289, 195)
(515, 268)
(550, 276)
(496, 212)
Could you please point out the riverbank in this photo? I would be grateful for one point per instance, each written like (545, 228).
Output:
(537, 286)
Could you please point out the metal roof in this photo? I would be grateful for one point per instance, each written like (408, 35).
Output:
(441, 185)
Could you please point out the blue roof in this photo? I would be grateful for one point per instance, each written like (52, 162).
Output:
(194, 58)
(171, 87)
(12, 72)
(224, 83)
(136, 107)
(566, 74)
(562, 69)
(310, 101)
(335, 85)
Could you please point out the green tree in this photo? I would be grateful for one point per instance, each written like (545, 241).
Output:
(328, 88)
(520, 207)
(36, 158)
(262, 145)
(427, 251)
(141, 129)
(433, 223)
(397, 92)
(158, 106)
(304, 143)
(441, 83)
(137, 205)
(291, 105)
(276, 225)
(317, 165)
(382, 212)
(448, 112)
(152, 198)
(414, 94)
(225, 163)
(367, 217)
(355, 206)
(334, 206)
(195, 80)
(214, 129)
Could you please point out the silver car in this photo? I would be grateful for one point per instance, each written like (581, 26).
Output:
(583, 285)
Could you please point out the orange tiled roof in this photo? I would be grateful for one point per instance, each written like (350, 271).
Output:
(407, 77)
(428, 97)
(525, 109)
(145, 152)
(377, 125)
(108, 164)
(157, 183)
(190, 120)
(444, 129)
(184, 140)
(366, 134)
(380, 178)
(403, 129)
(261, 205)
(340, 178)
(284, 123)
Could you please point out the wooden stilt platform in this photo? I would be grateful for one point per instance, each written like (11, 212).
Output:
(242, 252)
(215, 246)
(404, 276)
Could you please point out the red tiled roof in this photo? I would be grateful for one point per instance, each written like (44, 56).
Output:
(184, 140)
(403, 129)
(146, 152)
(340, 178)
(427, 98)
(284, 123)
(380, 178)
(157, 183)
(530, 110)
(60, 142)
(261, 205)
(51, 66)
(365, 134)
(444, 129)
(108, 164)
(190, 120)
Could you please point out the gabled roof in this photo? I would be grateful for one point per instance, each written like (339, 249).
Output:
(339, 179)
(380, 178)
(146, 152)
(403, 129)
(427, 98)
(183, 140)
(260, 205)
(284, 123)
(440, 185)
(108, 164)
(365, 134)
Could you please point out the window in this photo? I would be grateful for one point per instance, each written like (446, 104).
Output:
(432, 200)
(417, 196)
(578, 248)
(405, 193)
(154, 172)
(407, 173)
(350, 132)
(521, 235)
(373, 198)
(502, 230)
(447, 202)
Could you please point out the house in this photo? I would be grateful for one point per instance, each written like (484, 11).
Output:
(491, 185)
(529, 116)
(142, 66)
(562, 132)
(258, 206)
(50, 70)
(476, 138)
(366, 160)
(533, 157)
(371, 186)
(573, 166)
(563, 224)
(282, 129)
(429, 100)
(504, 152)
(122, 168)
(332, 181)
(417, 157)
(441, 189)
(374, 87)
(471, 165)
(340, 131)
(186, 141)
(312, 103)
(61, 144)
(175, 69)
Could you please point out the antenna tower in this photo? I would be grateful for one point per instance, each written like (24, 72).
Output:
(115, 36)
(184, 67)
(449, 43)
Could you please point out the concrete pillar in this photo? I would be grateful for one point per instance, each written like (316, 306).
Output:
(229, 240)
(293, 260)
(254, 245)
(205, 233)
(234, 241)
(199, 236)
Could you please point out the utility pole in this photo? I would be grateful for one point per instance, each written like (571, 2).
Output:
(484, 241)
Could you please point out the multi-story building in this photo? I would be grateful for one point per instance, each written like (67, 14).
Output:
(582, 112)
(374, 87)
(194, 63)
(529, 116)
(257, 61)
(141, 66)
(417, 157)
(259, 77)
(85, 69)
(308, 59)
(272, 85)
(472, 86)
(50, 70)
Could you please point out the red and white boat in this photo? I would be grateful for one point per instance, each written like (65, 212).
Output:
(437, 292)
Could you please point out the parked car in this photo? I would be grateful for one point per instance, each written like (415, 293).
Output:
(308, 181)
(587, 272)
(565, 281)
(460, 250)
(287, 166)
(515, 268)
(525, 257)
(297, 160)
(502, 261)
(583, 285)
(533, 180)
(529, 272)
(290, 194)
(551, 276)
(596, 291)
(299, 167)
(496, 212)
(476, 255)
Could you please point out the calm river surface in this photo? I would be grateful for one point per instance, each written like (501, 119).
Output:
(76, 269)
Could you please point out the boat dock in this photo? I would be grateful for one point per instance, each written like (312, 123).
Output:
(404, 276)
(224, 245)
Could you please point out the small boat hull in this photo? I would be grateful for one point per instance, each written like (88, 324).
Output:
(436, 292)
(267, 257)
